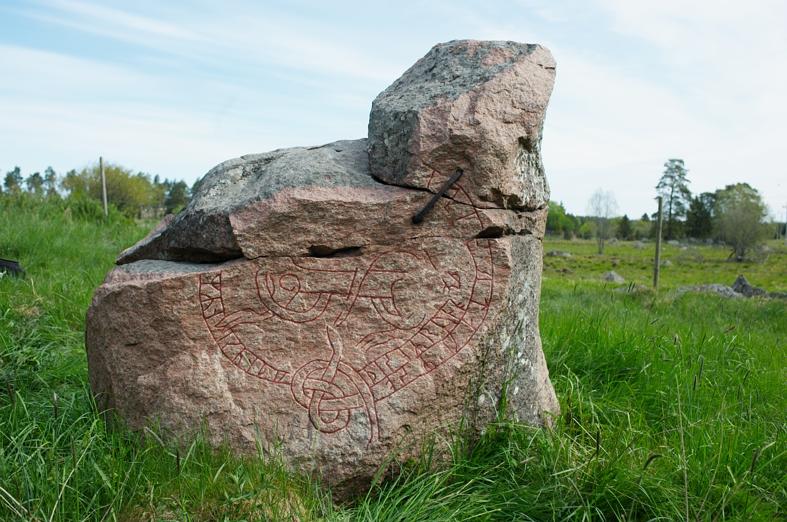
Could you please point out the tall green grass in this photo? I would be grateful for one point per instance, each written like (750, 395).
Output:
(672, 409)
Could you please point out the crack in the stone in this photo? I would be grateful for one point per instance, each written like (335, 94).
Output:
(326, 251)
(498, 232)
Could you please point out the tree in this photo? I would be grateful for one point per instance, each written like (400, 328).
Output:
(177, 197)
(35, 183)
(699, 217)
(673, 188)
(557, 219)
(739, 214)
(13, 181)
(50, 182)
(130, 193)
(74, 184)
(645, 217)
(625, 230)
(602, 206)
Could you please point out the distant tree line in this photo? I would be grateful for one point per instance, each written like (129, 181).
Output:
(734, 215)
(570, 226)
(133, 194)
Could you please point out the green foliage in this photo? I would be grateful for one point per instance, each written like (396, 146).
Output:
(673, 187)
(50, 182)
(625, 230)
(136, 195)
(560, 222)
(699, 217)
(177, 197)
(555, 217)
(35, 183)
(13, 181)
(739, 213)
(586, 230)
(667, 413)
(131, 193)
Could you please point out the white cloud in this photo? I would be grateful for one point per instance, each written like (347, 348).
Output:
(208, 83)
(725, 59)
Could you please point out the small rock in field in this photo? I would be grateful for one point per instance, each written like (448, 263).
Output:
(715, 288)
(558, 253)
(613, 277)
(742, 286)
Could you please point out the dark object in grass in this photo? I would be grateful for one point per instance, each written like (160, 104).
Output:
(8, 266)
(742, 286)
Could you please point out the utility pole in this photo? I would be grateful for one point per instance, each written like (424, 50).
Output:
(103, 185)
(657, 263)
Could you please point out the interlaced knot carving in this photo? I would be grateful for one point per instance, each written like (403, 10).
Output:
(404, 344)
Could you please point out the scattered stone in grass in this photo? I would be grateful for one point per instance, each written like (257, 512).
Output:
(666, 263)
(639, 245)
(613, 277)
(742, 286)
(714, 288)
(558, 253)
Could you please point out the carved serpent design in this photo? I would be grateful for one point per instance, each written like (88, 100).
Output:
(405, 345)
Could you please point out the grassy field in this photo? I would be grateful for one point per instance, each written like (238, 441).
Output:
(673, 406)
(682, 265)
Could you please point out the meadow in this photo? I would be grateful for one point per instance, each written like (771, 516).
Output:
(672, 404)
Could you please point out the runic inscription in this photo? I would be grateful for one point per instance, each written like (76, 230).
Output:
(403, 335)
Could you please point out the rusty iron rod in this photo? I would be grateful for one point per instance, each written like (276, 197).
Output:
(419, 217)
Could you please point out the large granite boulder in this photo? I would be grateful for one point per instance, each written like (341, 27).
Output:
(294, 304)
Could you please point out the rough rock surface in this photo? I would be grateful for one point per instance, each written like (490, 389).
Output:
(473, 105)
(294, 305)
(713, 288)
(613, 277)
(309, 202)
(742, 286)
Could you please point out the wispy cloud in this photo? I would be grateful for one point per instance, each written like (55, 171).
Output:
(183, 88)
(119, 20)
(218, 36)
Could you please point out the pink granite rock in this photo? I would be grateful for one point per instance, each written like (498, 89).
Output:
(469, 104)
(294, 305)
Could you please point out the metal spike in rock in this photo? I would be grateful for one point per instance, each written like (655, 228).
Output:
(419, 217)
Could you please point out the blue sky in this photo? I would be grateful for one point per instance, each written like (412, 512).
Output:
(175, 87)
